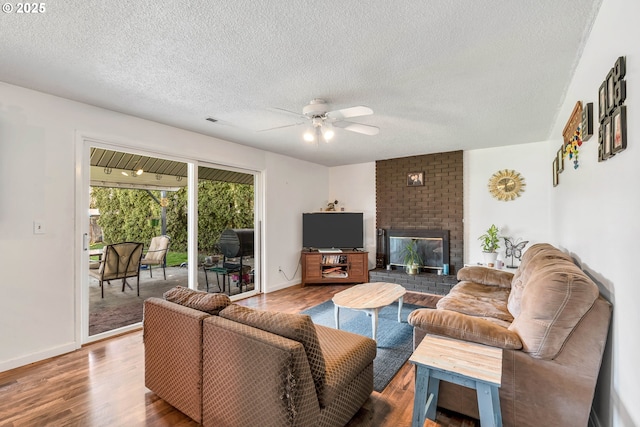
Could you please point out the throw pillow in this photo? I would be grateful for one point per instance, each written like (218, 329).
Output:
(198, 300)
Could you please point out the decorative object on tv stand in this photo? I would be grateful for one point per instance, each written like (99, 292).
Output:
(612, 114)
(490, 243)
(331, 206)
(514, 249)
(506, 185)
(412, 259)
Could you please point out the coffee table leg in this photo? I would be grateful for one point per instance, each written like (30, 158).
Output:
(336, 315)
(374, 322)
(400, 308)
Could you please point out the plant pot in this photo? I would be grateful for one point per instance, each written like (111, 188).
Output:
(412, 269)
(490, 258)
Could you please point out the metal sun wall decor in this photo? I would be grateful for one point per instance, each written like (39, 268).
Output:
(612, 113)
(506, 185)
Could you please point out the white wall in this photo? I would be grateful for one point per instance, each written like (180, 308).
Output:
(293, 187)
(526, 217)
(596, 208)
(37, 182)
(354, 186)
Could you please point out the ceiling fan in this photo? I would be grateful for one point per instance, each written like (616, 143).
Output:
(323, 120)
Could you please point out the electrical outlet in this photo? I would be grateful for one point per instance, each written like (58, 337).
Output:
(38, 227)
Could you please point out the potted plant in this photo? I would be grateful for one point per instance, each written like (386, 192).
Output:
(490, 243)
(412, 259)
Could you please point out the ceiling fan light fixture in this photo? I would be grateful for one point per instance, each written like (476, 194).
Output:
(328, 133)
(309, 134)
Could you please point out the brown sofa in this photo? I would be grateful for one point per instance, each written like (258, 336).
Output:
(231, 365)
(552, 325)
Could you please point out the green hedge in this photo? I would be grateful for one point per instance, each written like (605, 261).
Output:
(126, 215)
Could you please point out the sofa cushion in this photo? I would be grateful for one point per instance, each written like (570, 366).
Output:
(555, 298)
(297, 327)
(463, 327)
(198, 300)
(477, 300)
(346, 355)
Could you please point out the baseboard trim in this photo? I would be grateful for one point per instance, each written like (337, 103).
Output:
(37, 357)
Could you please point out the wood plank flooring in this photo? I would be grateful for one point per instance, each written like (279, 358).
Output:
(102, 384)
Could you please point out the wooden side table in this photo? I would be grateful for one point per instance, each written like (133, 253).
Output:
(464, 363)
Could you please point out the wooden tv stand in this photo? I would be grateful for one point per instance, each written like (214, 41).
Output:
(338, 267)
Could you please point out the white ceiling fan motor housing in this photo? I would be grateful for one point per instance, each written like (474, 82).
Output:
(316, 108)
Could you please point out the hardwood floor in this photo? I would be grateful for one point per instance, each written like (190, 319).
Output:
(102, 384)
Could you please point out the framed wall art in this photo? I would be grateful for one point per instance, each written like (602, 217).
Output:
(612, 113)
(560, 156)
(610, 92)
(587, 121)
(606, 138)
(602, 101)
(600, 145)
(619, 129)
(620, 69)
(555, 172)
(415, 179)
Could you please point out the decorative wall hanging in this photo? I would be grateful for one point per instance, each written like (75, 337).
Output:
(415, 179)
(587, 121)
(560, 157)
(506, 185)
(612, 114)
(619, 128)
(572, 136)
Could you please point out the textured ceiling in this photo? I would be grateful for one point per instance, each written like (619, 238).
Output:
(439, 75)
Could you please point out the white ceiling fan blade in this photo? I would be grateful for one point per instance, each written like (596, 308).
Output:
(280, 127)
(282, 110)
(345, 113)
(358, 127)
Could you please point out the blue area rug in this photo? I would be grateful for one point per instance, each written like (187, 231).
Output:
(395, 340)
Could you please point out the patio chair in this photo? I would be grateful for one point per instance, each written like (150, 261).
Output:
(157, 254)
(119, 261)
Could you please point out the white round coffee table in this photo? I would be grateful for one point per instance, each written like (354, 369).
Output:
(370, 298)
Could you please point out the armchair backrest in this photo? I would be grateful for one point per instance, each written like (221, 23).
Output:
(157, 249)
(121, 260)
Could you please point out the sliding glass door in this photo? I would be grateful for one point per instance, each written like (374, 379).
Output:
(202, 235)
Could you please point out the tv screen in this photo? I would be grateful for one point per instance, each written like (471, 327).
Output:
(325, 230)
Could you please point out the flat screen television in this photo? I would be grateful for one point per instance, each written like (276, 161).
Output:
(327, 230)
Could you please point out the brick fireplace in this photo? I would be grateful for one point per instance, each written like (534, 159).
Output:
(435, 206)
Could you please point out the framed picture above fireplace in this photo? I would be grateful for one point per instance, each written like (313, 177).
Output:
(415, 179)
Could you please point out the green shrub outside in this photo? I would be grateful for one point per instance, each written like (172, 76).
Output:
(127, 214)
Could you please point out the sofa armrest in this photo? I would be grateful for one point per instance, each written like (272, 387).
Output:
(486, 276)
(463, 327)
(172, 337)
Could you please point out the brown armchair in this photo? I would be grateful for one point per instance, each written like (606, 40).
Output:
(157, 254)
(119, 261)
